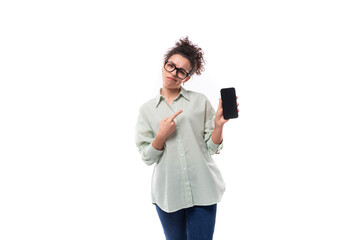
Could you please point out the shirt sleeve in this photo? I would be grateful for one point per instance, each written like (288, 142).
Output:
(209, 128)
(143, 139)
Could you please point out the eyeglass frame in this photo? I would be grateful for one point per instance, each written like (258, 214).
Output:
(176, 68)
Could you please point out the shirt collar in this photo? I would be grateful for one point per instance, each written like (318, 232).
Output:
(183, 92)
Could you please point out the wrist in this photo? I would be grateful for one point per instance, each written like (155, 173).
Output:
(160, 138)
(158, 142)
(219, 125)
(217, 135)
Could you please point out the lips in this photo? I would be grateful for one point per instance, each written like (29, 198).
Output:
(170, 78)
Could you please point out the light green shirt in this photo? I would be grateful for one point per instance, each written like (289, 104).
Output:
(185, 173)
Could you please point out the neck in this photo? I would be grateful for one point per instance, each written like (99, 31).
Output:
(170, 93)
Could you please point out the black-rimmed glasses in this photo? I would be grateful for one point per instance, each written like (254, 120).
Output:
(180, 73)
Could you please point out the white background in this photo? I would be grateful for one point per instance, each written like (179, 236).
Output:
(74, 73)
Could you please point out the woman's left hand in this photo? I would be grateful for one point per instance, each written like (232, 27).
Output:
(219, 118)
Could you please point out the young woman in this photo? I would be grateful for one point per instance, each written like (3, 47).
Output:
(179, 131)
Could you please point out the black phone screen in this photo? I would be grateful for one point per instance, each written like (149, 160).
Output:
(229, 104)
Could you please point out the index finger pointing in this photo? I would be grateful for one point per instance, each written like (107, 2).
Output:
(175, 115)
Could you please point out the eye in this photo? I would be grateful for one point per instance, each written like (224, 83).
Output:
(182, 73)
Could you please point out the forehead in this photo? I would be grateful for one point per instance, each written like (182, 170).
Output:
(180, 61)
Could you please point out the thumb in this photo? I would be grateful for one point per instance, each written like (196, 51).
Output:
(220, 104)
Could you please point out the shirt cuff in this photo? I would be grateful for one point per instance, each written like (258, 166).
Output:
(153, 153)
(214, 148)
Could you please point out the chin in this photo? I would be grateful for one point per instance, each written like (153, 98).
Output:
(170, 85)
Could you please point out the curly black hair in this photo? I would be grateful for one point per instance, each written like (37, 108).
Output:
(190, 51)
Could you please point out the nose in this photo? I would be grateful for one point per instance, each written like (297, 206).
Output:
(173, 73)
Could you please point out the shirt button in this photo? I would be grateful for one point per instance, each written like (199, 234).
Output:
(184, 168)
(187, 183)
(182, 154)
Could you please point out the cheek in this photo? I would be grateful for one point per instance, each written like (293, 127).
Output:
(163, 74)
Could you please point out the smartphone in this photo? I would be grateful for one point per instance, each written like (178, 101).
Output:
(229, 104)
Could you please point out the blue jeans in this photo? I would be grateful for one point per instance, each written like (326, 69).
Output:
(194, 223)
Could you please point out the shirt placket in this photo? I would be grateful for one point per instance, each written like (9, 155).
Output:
(183, 163)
